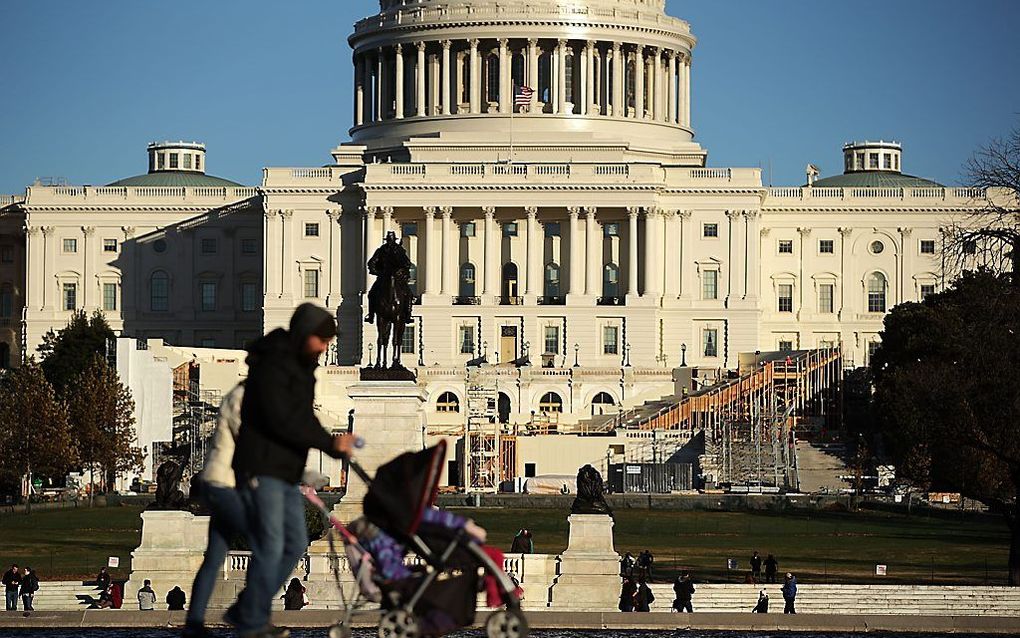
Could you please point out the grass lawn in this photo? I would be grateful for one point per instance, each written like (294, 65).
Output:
(72, 543)
(819, 547)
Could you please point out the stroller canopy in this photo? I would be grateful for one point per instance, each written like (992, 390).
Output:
(403, 488)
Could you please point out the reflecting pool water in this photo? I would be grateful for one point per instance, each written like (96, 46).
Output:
(545, 633)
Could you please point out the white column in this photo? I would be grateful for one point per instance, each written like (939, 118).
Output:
(533, 73)
(47, 270)
(366, 73)
(380, 86)
(576, 283)
(632, 252)
(444, 87)
(287, 234)
(735, 267)
(270, 267)
(490, 257)
(655, 88)
(398, 81)
(433, 246)
(671, 113)
(561, 76)
(619, 69)
(504, 76)
(639, 83)
(751, 256)
(370, 245)
(533, 277)
(589, 78)
(387, 225)
(593, 265)
(450, 251)
(671, 250)
(653, 248)
(475, 86)
(333, 218)
(419, 76)
(686, 256)
(687, 92)
(359, 91)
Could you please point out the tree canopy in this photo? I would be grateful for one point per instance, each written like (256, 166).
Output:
(947, 393)
(67, 352)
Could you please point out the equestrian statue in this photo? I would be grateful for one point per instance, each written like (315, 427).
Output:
(390, 300)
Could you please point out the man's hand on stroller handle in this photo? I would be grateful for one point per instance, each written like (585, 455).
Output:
(476, 531)
(345, 444)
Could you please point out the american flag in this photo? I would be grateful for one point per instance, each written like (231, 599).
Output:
(523, 96)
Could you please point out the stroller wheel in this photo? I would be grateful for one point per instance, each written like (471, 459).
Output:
(507, 623)
(398, 623)
(340, 630)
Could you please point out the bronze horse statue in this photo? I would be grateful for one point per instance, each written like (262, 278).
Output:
(390, 301)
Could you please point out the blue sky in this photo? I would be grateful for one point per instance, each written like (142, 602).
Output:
(780, 83)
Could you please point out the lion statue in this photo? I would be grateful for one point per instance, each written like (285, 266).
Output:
(591, 491)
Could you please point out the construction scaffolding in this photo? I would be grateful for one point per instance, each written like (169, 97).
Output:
(194, 418)
(483, 459)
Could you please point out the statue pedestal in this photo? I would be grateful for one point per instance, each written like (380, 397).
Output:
(389, 416)
(588, 572)
(171, 551)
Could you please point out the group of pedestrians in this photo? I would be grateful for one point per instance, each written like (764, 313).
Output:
(640, 567)
(636, 595)
(20, 583)
(770, 564)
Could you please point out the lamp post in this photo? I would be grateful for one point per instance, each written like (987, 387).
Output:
(683, 355)
(626, 348)
(371, 347)
(527, 351)
(577, 349)
(485, 351)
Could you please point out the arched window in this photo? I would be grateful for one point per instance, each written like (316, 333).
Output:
(510, 279)
(159, 291)
(467, 280)
(568, 68)
(552, 279)
(412, 279)
(611, 280)
(492, 78)
(602, 402)
(630, 83)
(517, 69)
(877, 287)
(550, 402)
(544, 87)
(6, 301)
(448, 402)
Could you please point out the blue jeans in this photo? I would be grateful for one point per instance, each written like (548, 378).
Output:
(12, 599)
(278, 538)
(228, 517)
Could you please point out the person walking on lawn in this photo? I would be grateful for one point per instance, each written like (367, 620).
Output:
(278, 427)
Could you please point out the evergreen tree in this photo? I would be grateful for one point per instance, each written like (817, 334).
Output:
(66, 352)
(35, 436)
(102, 418)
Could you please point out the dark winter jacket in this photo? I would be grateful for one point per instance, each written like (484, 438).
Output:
(644, 598)
(12, 578)
(790, 589)
(278, 423)
(29, 584)
(175, 599)
(684, 590)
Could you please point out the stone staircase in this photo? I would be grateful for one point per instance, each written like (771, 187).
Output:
(855, 599)
(64, 595)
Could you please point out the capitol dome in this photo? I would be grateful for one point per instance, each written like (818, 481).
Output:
(490, 73)
(175, 164)
(871, 164)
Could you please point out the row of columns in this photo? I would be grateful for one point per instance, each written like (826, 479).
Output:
(667, 234)
(661, 75)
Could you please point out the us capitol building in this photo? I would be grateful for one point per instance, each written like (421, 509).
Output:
(578, 224)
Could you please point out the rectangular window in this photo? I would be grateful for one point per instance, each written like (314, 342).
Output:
(552, 229)
(249, 297)
(160, 160)
(826, 344)
(826, 246)
(825, 295)
(173, 160)
(860, 161)
(209, 246)
(467, 339)
(409, 229)
(208, 342)
(187, 160)
(311, 284)
(927, 246)
(311, 229)
(872, 348)
(6, 304)
(70, 296)
(887, 161)
(510, 229)
(198, 162)
(610, 340)
(552, 340)
(710, 342)
(109, 245)
(208, 296)
(785, 297)
(785, 346)
(710, 284)
(785, 246)
(408, 343)
(927, 290)
(467, 229)
(611, 229)
(6, 254)
(109, 296)
(969, 247)
(70, 245)
(710, 230)
(872, 160)
(249, 246)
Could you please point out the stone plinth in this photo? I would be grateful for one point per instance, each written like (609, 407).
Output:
(171, 551)
(588, 572)
(389, 416)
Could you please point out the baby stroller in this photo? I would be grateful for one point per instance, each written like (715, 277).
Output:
(435, 591)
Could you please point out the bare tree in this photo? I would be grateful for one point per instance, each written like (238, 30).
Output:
(989, 235)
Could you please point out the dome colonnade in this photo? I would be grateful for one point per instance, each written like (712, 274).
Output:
(422, 59)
